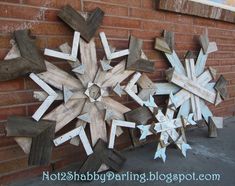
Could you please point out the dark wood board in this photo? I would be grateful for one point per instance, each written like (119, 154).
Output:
(134, 60)
(31, 59)
(103, 155)
(196, 9)
(42, 134)
(77, 22)
(221, 87)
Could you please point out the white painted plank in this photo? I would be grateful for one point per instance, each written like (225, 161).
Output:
(116, 123)
(73, 133)
(111, 55)
(48, 101)
(61, 55)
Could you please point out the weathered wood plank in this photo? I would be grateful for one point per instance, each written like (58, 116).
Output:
(48, 101)
(58, 78)
(221, 87)
(162, 45)
(109, 54)
(87, 27)
(102, 155)
(196, 9)
(67, 56)
(116, 75)
(30, 59)
(191, 86)
(41, 132)
(212, 130)
(170, 39)
(140, 115)
(119, 123)
(73, 133)
(134, 60)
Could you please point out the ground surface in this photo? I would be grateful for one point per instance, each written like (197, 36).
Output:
(209, 155)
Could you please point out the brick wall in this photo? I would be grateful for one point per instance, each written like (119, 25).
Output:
(122, 19)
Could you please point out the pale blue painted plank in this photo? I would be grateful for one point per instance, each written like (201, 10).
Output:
(206, 113)
(175, 62)
(200, 63)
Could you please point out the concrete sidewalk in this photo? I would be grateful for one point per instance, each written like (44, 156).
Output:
(208, 155)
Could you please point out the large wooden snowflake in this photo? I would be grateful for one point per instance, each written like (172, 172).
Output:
(88, 97)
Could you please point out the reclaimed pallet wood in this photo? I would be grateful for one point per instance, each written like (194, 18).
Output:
(41, 132)
(212, 130)
(119, 123)
(140, 115)
(221, 87)
(48, 101)
(86, 27)
(72, 56)
(30, 59)
(190, 86)
(73, 133)
(134, 60)
(109, 54)
(162, 45)
(58, 78)
(195, 101)
(103, 155)
(170, 39)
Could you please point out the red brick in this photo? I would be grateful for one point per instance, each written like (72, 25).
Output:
(113, 33)
(13, 111)
(146, 35)
(11, 1)
(186, 29)
(107, 8)
(131, 3)
(54, 3)
(147, 14)
(55, 42)
(5, 41)
(16, 98)
(20, 12)
(51, 15)
(178, 18)
(225, 25)
(121, 22)
(151, 25)
(12, 85)
(51, 29)
(230, 75)
(204, 22)
(24, 174)
(6, 141)
(150, 4)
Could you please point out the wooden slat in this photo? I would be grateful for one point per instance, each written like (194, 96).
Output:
(87, 27)
(191, 86)
(103, 155)
(31, 60)
(109, 54)
(134, 60)
(58, 78)
(140, 115)
(197, 9)
(41, 133)
(221, 87)
(67, 56)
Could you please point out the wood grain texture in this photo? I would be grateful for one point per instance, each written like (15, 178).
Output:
(88, 27)
(102, 155)
(196, 9)
(134, 60)
(221, 87)
(31, 60)
(42, 134)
